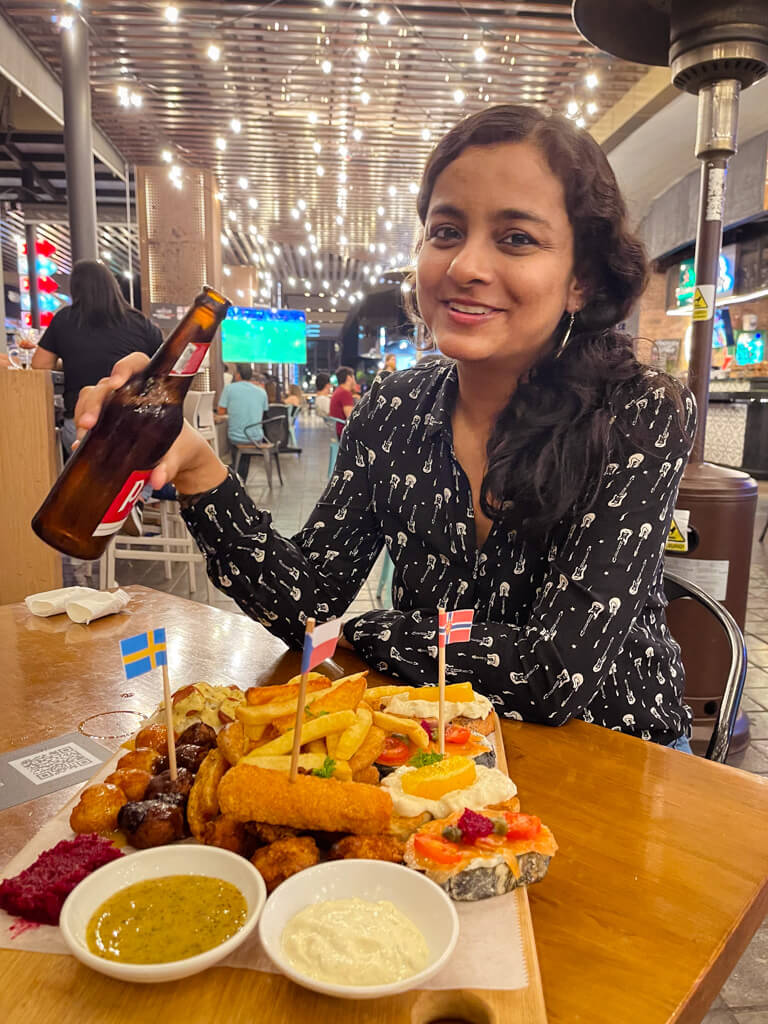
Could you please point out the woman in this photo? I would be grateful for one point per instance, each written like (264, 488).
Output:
(532, 475)
(91, 335)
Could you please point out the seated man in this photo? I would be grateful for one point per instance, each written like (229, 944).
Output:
(343, 398)
(245, 402)
(323, 394)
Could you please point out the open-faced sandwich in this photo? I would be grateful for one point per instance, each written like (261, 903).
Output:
(463, 707)
(476, 854)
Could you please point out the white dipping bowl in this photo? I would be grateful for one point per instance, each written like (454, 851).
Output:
(185, 859)
(413, 894)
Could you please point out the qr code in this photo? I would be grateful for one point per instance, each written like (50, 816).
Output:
(54, 763)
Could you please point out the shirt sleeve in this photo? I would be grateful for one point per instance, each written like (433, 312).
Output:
(280, 582)
(50, 338)
(601, 568)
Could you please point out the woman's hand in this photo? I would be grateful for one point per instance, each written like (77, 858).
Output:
(189, 463)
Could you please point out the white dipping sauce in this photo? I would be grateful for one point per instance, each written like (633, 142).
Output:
(354, 942)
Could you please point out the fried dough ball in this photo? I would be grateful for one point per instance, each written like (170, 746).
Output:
(198, 735)
(148, 823)
(146, 758)
(98, 809)
(369, 848)
(132, 781)
(264, 833)
(369, 775)
(231, 741)
(228, 834)
(187, 756)
(163, 784)
(154, 736)
(284, 858)
(203, 797)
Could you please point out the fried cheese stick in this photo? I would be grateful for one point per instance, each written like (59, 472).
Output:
(248, 793)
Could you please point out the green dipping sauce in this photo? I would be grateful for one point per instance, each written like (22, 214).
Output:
(165, 919)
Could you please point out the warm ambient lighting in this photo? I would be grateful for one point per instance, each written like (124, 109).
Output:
(214, 52)
(172, 14)
(166, 156)
(357, 134)
(459, 95)
(253, 203)
(242, 182)
(235, 125)
(327, 67)
(480, 54)
(572, 108)
(592, 109)
(221, 143)
(363, 54)
(591, 80)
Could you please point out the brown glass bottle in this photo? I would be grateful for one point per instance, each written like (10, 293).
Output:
(138, 424)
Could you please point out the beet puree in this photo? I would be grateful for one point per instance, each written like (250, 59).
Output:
(38, 893)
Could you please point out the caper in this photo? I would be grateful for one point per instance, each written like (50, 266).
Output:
(500, 828)
(453, 833)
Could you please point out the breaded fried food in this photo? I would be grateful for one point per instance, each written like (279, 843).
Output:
(369, 776)
(369, 750)
(203, 804)
(97, 809)
(401, 828)
(284, 858)
(154, 736)
(264, 833)
(369, 848)
(231, 741)
(249, 793)
(145, 758)
(132, 781)
(227, 834)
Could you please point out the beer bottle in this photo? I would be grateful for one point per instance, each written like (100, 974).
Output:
(137, 425)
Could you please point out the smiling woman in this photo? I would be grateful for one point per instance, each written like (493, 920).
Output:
(531, 474)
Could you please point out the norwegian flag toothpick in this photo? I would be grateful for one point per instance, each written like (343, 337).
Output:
(453, 628)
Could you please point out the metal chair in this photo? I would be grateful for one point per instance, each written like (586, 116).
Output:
(677, 588)
(333, 440)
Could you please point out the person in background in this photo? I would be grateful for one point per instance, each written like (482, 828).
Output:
(245, 402)
(323, 394)
(343, 398)
(390, 363)
(295, 396)
(88, 336)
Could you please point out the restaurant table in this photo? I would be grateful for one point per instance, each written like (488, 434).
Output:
(660, 881)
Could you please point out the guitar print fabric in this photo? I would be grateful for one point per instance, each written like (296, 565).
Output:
(572, 628)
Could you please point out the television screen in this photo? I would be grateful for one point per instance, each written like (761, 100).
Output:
(264, 336)
(722, 335)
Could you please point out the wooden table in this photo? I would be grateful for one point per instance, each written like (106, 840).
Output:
(661, 878)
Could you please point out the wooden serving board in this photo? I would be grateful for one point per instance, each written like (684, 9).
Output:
(258, 997)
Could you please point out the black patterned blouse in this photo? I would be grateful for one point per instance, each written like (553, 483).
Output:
(576, 630)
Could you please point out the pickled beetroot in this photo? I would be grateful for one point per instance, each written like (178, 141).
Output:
(474, 826)
(38, 893)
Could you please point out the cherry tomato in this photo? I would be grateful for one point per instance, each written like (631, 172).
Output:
(522, 826)
(457, 734)
(396, 751)
(435, 848)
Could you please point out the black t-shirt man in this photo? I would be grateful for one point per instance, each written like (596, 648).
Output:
(89, 353)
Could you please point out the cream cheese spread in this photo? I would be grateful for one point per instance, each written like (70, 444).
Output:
(491, 786)
(480, 707)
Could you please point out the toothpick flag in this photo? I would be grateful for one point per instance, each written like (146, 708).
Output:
(320, 644)
(143, 652)
(454, 627)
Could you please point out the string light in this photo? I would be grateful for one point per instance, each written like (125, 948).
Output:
(383, 17)
(363, 54)
(295, 213)
(166, 156)
(106, 255)
(426, 134)
(172, 14)
(317, 147)
(413, 188)
(392, 191)
(580, 122)
(327, 67)
(591, 80)
(365, 98)
(66, 21)
(592, 109)
(357, 134)
(380, 211)
(221, 143)
(235, 125)
(320, 170)
(480, 54)
(213, 51)
(242, 182)
(572, 108)
(312, 117)
(253, 203)
(459, 96)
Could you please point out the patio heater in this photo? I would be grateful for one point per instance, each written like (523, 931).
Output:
(714, 48)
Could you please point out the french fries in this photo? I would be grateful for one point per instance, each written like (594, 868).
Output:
(257, 695)
(313, 730)
(309, 762)
(345, 695)
(369, 750)
(351, 739)
(274, 711)
(317, 747)
(374, 693)
(407, 727)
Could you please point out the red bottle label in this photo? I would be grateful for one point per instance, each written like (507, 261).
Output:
(189, 361)
(124, 501)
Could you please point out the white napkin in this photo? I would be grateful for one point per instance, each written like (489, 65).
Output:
(54, 602)
(95, 603)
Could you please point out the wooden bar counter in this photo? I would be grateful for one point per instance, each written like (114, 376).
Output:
(661, 878)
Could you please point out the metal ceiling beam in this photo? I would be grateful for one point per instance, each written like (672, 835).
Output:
(24, 164)
(639, 103)
(25, 69)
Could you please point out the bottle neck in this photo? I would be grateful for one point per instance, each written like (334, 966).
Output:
(185, 348)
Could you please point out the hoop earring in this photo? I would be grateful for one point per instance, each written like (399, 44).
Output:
(566, 337)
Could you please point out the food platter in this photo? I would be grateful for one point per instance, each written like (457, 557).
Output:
(524, 1004)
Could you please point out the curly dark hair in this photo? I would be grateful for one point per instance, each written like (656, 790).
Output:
(550, 444)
